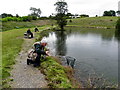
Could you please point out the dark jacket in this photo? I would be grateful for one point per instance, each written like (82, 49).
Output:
(29, 32)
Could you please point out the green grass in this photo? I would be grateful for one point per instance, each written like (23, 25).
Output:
(0, 60)
(17, 25)
(11, 46)
(12, 41)
(108, 22)
(55, 74)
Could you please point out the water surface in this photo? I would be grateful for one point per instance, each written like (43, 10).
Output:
(95, 50)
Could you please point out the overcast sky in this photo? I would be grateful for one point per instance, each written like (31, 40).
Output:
(90, 7)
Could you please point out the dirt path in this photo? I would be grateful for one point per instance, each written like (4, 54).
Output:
(26, 76)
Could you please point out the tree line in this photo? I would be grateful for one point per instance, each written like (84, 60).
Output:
(35, 14)
(111, 13)
(61, 15)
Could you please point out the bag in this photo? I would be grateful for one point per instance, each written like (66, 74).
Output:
(32, 55)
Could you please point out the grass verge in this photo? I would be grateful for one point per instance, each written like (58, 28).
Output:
(57, 75)
(11, 46)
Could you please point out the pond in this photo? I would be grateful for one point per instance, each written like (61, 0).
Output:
(95, 50)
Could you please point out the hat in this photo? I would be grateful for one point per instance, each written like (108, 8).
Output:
(43, 41)
(37, 43)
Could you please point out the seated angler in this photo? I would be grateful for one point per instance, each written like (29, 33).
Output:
(36, 29)
(30, 33)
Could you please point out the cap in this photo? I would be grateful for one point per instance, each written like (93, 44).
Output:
(43, 41)
(37, 43)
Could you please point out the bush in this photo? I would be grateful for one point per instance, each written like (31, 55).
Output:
(19, 19)
(24, 18)
(117, 31)
(9, 18)
(4, 20)
(43, 18)
(118, 25)
(27, 18)
(34, 18)
(84, 15)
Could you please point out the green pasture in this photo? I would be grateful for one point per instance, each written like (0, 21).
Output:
(108, 22)
(17, 25)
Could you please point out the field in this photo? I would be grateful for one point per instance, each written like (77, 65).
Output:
(17, 25)
(99, 22)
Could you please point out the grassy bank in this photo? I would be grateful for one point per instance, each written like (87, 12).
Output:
(95, 22)
(17, 25)
(57, 75)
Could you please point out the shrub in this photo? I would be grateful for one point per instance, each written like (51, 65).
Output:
(118, 25)
(4, 20)
(34, 18)
(27, 18)
(9, 18)
(117, 31)
(19, 19)
(24, 18)
(84, 15)
(43, 18)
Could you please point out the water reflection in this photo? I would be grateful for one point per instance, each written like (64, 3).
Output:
(61, 48)
(117, 36)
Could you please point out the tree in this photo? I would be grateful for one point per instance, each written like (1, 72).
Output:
(109, 13)
(117, 31)
(69, 14)
(118, 25)
(4, 15)
(113, 13)
(61, 8)
(35, 12)
(84, 15)
(118, 12)
(17, 15)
